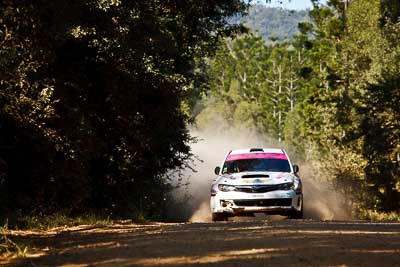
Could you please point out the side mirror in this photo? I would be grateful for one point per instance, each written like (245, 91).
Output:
(216, 170)
(295, 168)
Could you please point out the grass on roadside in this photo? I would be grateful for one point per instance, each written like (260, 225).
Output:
(376, 216)
(60, 220)
(8, 248)
(47, 222)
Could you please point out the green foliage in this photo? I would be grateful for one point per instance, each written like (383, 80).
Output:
(380, 128)
(8, 248)
(252, 85)
(358, 87)
(59, 219)
(380, 217)
(91, 97)
(345, 69)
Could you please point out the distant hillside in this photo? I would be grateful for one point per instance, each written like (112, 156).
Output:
(267, 21)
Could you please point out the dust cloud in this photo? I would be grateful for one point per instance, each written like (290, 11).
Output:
(320, 200)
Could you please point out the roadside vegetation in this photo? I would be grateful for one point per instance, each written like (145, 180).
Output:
(12, 247)
(8, 248)
(380, 216)
(93, 102)
(331, 95)
(96, 98)
(57, 220)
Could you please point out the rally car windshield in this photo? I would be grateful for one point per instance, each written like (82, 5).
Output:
(255, 165)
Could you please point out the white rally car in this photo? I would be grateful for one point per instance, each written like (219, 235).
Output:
(256, 180)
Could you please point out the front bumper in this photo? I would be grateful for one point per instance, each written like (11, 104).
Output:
(239, 203)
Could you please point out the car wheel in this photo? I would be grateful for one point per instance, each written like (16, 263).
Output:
(295, 214)
(217, 217)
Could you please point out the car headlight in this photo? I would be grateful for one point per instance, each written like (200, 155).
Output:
(226, 188)
(297, 186)
(286, 186)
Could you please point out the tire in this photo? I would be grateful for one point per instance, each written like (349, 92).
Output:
(295, 214)
(218, 217)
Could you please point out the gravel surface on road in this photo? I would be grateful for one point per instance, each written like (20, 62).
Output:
(243, 243)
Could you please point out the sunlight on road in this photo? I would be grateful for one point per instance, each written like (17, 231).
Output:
(212, 258)
(245, 243)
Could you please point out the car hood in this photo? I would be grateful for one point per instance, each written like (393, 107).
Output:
(256, 178)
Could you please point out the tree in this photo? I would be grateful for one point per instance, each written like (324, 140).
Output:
(91, 95)
(332, 93)
(357, 87)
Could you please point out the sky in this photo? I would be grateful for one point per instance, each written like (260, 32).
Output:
(293, 4)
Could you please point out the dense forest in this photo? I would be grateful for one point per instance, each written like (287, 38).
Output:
(96, 97)
(332, 94)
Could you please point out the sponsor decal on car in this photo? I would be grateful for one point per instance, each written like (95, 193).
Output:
(256, 156)
(256, 181)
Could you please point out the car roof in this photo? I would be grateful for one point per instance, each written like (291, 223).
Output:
(257, 150)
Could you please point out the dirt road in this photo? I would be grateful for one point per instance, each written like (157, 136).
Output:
(247, 243)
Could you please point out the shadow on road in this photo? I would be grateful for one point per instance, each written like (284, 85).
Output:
(249, 243)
